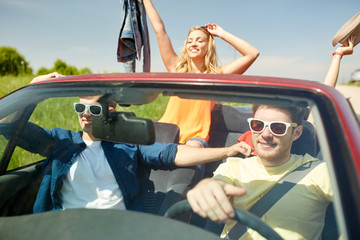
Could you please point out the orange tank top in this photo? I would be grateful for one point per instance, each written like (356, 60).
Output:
(192, 116)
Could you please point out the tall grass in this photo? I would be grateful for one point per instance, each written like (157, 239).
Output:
(59, 112)
(10, 83)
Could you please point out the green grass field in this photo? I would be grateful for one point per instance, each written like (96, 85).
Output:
(47, 115)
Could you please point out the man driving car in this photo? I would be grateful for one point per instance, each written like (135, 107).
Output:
(300, 213)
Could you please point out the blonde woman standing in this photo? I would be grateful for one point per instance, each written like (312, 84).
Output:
(197, 56)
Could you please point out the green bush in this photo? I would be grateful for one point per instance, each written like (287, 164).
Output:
(63, 68)
(13, 63)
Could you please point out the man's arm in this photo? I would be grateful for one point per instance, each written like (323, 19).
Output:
(210, 198)
(32, 138)
(167, 51)
(333, 72)
(46, 77)
(248, 52)
(191, 156)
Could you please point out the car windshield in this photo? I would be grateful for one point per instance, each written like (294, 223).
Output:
(50, 106)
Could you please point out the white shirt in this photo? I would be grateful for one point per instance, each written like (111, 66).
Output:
(90, 182)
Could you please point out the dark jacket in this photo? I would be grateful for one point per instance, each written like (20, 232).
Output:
(61, 147)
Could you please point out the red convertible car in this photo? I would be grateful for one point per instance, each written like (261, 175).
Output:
(332, 134)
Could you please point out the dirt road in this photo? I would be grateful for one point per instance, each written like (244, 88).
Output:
(353, 93)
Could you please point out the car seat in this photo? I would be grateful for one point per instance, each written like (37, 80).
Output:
(164, 186)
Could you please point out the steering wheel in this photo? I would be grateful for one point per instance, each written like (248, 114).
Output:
(243, 217)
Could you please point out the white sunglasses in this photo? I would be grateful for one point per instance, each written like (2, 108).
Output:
(277, 128)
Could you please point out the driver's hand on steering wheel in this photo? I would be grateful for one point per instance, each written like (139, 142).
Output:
(210, 198)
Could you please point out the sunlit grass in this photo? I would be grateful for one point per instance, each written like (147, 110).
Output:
(59, 112)
(10, 83)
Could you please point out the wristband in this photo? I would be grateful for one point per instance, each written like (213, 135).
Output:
(338, 53)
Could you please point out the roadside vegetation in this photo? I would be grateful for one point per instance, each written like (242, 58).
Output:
(357, 83)
(47, 115)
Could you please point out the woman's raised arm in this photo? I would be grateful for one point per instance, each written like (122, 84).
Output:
(249, 52)
(167, 52)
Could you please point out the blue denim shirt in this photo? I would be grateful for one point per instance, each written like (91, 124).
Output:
(133, 35)
(61, 147)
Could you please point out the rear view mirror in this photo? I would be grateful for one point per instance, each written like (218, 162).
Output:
(124, 127)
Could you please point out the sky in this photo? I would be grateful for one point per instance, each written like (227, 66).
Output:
(293, 36)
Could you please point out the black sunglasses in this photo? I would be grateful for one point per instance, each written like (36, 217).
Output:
(277, 128)
(93, 109)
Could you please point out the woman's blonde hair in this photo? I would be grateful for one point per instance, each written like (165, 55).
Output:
(211, 66)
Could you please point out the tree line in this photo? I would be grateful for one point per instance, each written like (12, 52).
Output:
(14, 64)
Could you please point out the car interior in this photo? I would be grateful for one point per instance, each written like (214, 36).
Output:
(162, 187)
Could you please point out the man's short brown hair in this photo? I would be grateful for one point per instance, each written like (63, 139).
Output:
(296, 113)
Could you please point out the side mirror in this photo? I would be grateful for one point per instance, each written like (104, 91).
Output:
(124, 127)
